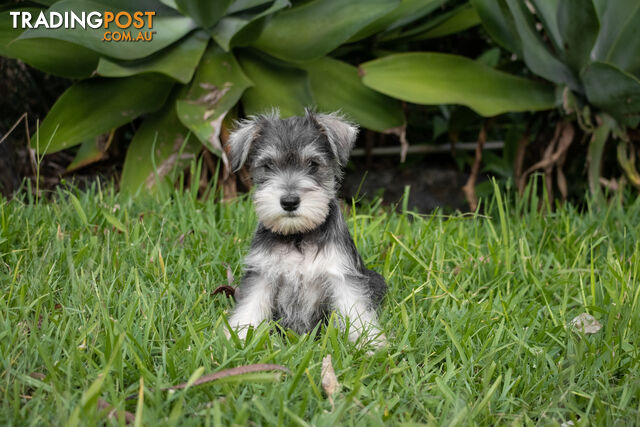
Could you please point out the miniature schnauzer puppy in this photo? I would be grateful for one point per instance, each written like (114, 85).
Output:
(303, 263)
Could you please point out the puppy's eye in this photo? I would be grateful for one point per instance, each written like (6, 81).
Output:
(312, 165)
(267, 167)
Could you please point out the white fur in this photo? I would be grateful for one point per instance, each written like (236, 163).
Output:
(313, 210)
(255, 309)
(313, 276)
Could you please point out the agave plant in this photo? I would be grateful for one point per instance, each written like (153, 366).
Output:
(588, 52)
(206, 59)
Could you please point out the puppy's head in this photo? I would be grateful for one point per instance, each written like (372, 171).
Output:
(296, 165)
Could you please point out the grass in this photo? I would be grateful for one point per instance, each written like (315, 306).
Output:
(102, 295)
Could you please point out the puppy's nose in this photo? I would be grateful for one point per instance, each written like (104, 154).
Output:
(290, 202)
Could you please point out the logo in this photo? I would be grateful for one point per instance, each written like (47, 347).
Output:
(119, 26)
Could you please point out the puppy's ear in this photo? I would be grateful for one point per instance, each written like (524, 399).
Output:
(341, 134)
(241, 140)
(245, 134)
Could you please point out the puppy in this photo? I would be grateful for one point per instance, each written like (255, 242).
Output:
(303, 263)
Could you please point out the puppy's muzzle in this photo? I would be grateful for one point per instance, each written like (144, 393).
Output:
(290, 202)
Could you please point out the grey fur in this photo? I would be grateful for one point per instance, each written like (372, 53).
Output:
(302, 264)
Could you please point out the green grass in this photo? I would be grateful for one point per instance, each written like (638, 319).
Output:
(99, 292)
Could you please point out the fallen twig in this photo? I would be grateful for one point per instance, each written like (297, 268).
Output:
(240, 370)
(469, 188)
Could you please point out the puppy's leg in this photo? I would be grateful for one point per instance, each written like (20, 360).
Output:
(349, 300)
(254, 305)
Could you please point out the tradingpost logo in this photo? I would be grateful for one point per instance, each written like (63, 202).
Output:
(119, 26)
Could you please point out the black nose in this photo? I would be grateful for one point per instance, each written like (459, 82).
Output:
(290, 202)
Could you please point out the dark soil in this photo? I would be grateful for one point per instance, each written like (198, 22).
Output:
(434, 180)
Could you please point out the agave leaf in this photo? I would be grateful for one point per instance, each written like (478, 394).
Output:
(216, 88)
(91, 151)
(536, 54)
(579, 26)
(168, 29)
(93, 107)
(336, 86)
(547, 11)
(628, 163)
(276, 84)
(178, 61)
(45, 2)
(170, 3)
(614, 91)
(437, 78)
(313, 29)
(242, 5)
(151, 5)
(52, 56)
(600, 6)
(594, 156)
(454, 21)
(405, 13)
(498, 22)
(160, 148)
(625, 51)
(615, 17)
(205, 12)
(243, 28)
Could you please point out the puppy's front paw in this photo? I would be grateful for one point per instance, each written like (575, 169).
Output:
(240, 330)
(379, 341)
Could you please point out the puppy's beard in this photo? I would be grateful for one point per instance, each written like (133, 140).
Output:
(313, 210)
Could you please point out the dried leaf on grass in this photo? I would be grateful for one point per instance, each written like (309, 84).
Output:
(129, 418)
(586, 323)
(330, 383)
(240, 370)
(227, 289)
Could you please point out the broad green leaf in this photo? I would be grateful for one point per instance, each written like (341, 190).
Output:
(490, 58)
(46, 2)
(498, 22)
(313, 29)
(547, 11)
(437, 78)
(216, 88)
(91, 151)
(168, 29)
(160, 7)
(579, 26)
(241, 5)
(276, 84)
(625, 52)
(170, 3)
(454, 21)
(336, 86)
(614, 91)
(93, 107)
(160, 148)
(405, 13)
(205, 12)
(600, 6)
(243, 28)
(52, 56)
(178, 61)
(7, 32)
(594, 156)
(617, 16)
(536, 54)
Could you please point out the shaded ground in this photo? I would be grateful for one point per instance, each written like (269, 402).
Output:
(435, 182)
